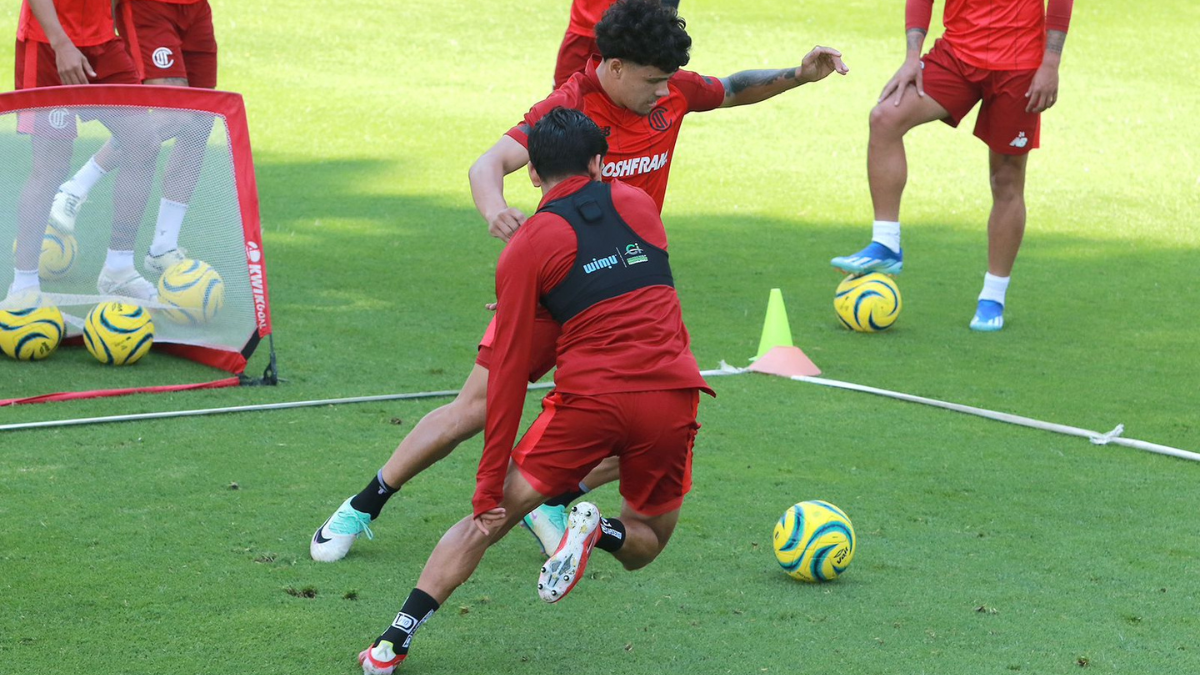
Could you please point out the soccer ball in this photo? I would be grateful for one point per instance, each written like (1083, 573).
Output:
(194, 291)
(814, 541)
(59, 251)
(118, 334)
(867, 302)
(31, 334)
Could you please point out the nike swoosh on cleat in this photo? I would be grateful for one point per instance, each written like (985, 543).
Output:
(318, 538)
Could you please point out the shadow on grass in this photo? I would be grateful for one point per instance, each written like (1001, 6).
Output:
(376, 292)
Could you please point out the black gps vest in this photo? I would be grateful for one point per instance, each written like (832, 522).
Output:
(611, 259)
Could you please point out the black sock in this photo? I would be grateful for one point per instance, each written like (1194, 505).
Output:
(612, 535)
(567, 497)
(373, 497)
(416, 610)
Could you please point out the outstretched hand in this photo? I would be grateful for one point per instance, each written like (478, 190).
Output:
(819, 63)
(485, 521)
(1043, 93)
(910, 74)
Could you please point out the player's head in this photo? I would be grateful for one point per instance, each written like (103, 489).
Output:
(563, 144)
(643, 43)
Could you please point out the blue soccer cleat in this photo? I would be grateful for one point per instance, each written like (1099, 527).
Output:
(874, 258)
(989, 316)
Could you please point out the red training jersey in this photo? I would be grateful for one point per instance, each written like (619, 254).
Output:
(995, 34)
(639, 148)
(172, 2)
(87, 23)
(585, 14)
(631, 343)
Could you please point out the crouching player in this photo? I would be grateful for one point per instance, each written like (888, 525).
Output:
(627, 384)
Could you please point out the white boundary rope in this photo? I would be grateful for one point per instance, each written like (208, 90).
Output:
(270, 406)
(1093, 436)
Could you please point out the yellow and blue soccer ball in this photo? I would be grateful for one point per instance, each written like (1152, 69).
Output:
(59, 251)
(867, 303)
(814, 541)
(193, 291)
(118, 334)
(31, 334)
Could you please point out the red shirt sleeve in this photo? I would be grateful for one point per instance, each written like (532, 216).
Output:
(1058, 14)
(701, 92)
(917, 14)
(537, 258)
(566, 96)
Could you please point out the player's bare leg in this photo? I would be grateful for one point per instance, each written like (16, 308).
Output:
(51, 162)
(452, 562)
(887, 174)
(139, 145)
(1006, 229)
(645, 536)
(433, 438)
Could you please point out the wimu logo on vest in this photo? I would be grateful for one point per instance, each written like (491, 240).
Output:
(601, 264)
(636, 165)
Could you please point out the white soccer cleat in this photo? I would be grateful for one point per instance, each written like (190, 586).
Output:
(380, 659)
(547, 524)
(332, 540)
(127, 283)
(562, 571)
(30, 296)
(162, 262)
(64, 210)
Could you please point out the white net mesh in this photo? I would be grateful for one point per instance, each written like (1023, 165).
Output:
(156, 161)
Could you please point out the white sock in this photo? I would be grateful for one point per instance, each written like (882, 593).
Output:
(87, 177)
(118, 260)
(23, 279)
(170, 221)
(994, 288)
(887, 232)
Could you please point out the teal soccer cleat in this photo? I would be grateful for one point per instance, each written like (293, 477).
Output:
(874, 258)
(331, 542)
(547, 524)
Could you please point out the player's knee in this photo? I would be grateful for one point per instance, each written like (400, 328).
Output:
(1008, 184)
(886, 119)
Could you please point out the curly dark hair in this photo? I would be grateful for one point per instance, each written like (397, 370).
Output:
(645, 32)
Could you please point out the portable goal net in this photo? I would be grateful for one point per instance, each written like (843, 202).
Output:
(162, 148)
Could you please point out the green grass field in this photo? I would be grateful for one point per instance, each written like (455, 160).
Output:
(984, 548)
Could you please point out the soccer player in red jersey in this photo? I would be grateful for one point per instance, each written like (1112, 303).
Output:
(63, 42)
(171, 42)
(1004, 53)
(595, 255)
(579, 42)
(636, 92)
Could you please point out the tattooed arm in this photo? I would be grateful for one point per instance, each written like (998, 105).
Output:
(1043, 92)
(752, 86)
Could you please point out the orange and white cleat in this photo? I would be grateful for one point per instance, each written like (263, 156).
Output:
(380, 659)
(562, 571)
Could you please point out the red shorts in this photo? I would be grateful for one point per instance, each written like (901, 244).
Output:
(36, 67)
(573, 56)
(1003, 123)
(651, 431)
(170, 40)
(544, 347)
